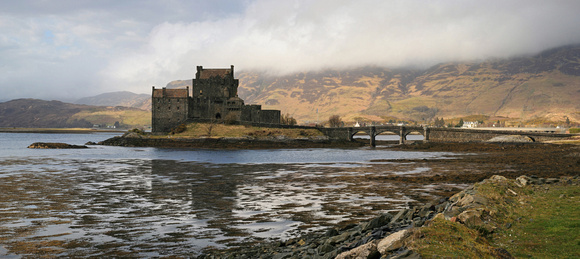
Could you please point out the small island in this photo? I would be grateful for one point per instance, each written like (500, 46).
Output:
(223, 136)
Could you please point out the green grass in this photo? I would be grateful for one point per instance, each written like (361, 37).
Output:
(574, 130)
(540, 221)
(549, 225)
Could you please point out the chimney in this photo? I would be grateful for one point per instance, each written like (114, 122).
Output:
(198, 74)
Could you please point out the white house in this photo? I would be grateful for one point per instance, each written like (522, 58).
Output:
(470, 124)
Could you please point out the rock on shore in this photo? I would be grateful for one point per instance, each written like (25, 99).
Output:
(43, 145)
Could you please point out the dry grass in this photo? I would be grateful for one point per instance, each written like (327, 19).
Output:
(197, 130)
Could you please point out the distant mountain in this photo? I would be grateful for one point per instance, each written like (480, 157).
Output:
(180, 84)
(545, 86)
(124, 98)
(34, 113)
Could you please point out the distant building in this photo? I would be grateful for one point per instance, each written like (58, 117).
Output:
(212, 97)
(470, 124)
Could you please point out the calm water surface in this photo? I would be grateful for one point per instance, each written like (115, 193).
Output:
(149, 202)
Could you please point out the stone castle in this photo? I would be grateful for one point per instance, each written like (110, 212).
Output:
(213, 98)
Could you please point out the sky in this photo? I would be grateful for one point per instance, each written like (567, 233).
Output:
(68, 49)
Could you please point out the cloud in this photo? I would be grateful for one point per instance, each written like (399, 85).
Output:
(88, 47)
(289, 36)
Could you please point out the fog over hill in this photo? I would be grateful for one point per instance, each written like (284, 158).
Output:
(546, 85)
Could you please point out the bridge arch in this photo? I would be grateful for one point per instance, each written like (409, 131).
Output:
(401, 131)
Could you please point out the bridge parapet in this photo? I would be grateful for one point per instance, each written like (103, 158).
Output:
(475, 135)
(436, 134)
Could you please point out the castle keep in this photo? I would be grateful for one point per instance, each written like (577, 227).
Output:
(213, 97)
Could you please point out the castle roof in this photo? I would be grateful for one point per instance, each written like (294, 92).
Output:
(209, 73)
(170, 92)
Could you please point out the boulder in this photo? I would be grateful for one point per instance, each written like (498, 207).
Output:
(472, 200)
(377, 222)
(471, 218)
(523, 181)
(368, 250)
(392, 242)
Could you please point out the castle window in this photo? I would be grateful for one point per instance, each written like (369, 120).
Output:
(178, 108)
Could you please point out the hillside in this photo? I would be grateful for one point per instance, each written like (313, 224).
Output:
(123, 98)
(543, 86)
(33, 113)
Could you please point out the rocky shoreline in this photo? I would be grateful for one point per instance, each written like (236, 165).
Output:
(391, 235)
(136, 140)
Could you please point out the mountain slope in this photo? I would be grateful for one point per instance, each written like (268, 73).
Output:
(33, 113)
(543, 86)
(123, 98)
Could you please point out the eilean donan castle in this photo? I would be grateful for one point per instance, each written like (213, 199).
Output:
(213, 97)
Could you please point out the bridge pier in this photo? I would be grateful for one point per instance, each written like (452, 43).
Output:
(402, 135)
(350, 134)
(372, 136)
(425, 134)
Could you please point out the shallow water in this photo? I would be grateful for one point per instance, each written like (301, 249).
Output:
(147, 202)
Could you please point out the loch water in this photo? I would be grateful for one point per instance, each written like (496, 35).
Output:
(151, 202)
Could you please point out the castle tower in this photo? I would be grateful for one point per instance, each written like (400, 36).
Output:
(169, 108)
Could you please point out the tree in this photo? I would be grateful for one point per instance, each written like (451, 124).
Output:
(287, 119)
(567, 121)
(439, 122)
(460, 124)
(209, 127)
(335, 121)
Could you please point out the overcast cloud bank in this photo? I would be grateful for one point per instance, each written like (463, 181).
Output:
(71, 49)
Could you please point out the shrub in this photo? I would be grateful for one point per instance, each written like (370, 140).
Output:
(179, 129)
(574, 130)
(335, 121)
(138, 131)
(231, 119)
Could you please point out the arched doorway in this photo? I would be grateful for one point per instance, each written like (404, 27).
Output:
(218, 116)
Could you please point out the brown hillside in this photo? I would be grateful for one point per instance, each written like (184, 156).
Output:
(33, 113)
(545, 87)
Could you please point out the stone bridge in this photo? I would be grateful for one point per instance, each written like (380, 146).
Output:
(347, 133)
(436, 134)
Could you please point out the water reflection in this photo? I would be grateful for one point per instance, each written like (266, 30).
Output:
(146, 202)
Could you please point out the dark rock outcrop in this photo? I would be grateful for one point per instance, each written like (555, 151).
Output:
(135, 140)
(43, 145)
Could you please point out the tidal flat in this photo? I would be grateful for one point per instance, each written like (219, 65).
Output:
(158, 207)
